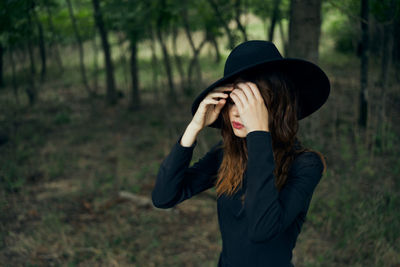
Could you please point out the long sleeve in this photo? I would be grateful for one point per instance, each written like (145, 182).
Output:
(176, 181)
(270, 212)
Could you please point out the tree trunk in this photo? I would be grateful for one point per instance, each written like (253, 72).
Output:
(53, 43)
(1, 66)
(167, 61)
(304, 33)
(304, 29)
(396, 40)
(13, 75)
(95, 65)
(274, 19)
(238, 12)
(80, 49)
(123, 59)
(194, 62)
(283, 37)
(178, 60)
(111, 91)
(30, 45)
(224, 24)
(211, 38)
(42, 51)
(154, 65)
(362, 119)
(42, 47)
(135, 96)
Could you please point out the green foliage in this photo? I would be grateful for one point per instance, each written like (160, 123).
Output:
(264, 8)
(62, 117)
(385, 10)
(11, 177)
(342, 28)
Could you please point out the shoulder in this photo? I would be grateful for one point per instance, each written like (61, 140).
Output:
(307, 161)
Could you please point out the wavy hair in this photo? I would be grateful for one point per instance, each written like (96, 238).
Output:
(280, 97)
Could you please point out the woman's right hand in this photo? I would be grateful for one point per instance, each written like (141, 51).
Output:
(209, 108)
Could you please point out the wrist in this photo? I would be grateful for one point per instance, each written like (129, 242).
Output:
(194, 127)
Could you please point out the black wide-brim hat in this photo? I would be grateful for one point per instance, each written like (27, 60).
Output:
(310, 80)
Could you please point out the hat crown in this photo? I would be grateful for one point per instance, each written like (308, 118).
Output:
(250, 53)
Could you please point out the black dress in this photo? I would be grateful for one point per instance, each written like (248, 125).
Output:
(261, 232)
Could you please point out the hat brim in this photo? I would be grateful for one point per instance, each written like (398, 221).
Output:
(310, 80)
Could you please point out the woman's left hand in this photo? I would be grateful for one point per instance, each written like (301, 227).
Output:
(251, 106)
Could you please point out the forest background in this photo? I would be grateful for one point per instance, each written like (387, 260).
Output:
(94, 93)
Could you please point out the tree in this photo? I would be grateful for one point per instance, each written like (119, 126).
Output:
(163, 23)
(98, 17)
(362, 119)
(304, 29)
(80, 48)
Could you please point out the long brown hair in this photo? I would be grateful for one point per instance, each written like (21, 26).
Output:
(280, 97)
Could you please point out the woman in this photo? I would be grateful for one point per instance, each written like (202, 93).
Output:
(263, 177)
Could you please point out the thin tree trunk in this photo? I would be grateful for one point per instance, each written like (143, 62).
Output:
(80, 49)
(154, 65)
(211, 38)
(274, 19)
(167, 65)
(387, 47)
(194, 62)
(30, 45)
(1, 66)
(283, 37)
(42, 47)
(53, 43)
(238, 12)
(111, 90)
(265, 25)
(167, 61)
(95, 65)
(363, 110)
(224, 24)
(135, 95)
(124, 61)
(178, 60)
(14, 80)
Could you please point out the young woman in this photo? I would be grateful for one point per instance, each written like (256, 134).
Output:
(264, 177)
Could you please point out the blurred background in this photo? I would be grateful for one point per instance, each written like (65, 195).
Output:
(94, 94)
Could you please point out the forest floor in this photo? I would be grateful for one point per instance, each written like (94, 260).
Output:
(70, 159)
(78, 156)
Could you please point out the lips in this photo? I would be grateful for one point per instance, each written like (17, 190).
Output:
(237, 125)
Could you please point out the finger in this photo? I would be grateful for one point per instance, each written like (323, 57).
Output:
(217, 94)
(208, 101)
(220, 105)
(237, 101)
(228, 87)
(242, 96)
(256, 90)
(247, 91)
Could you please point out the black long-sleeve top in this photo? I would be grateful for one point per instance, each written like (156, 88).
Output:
(261, 232)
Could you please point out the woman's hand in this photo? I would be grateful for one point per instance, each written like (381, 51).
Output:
(251, 106)
(210, 107)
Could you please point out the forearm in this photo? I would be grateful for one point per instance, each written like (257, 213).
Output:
(171, 174)
(190, 135)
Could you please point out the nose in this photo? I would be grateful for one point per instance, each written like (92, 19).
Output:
(235, 111)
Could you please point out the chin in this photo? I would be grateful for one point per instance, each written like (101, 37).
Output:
(240, 133)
